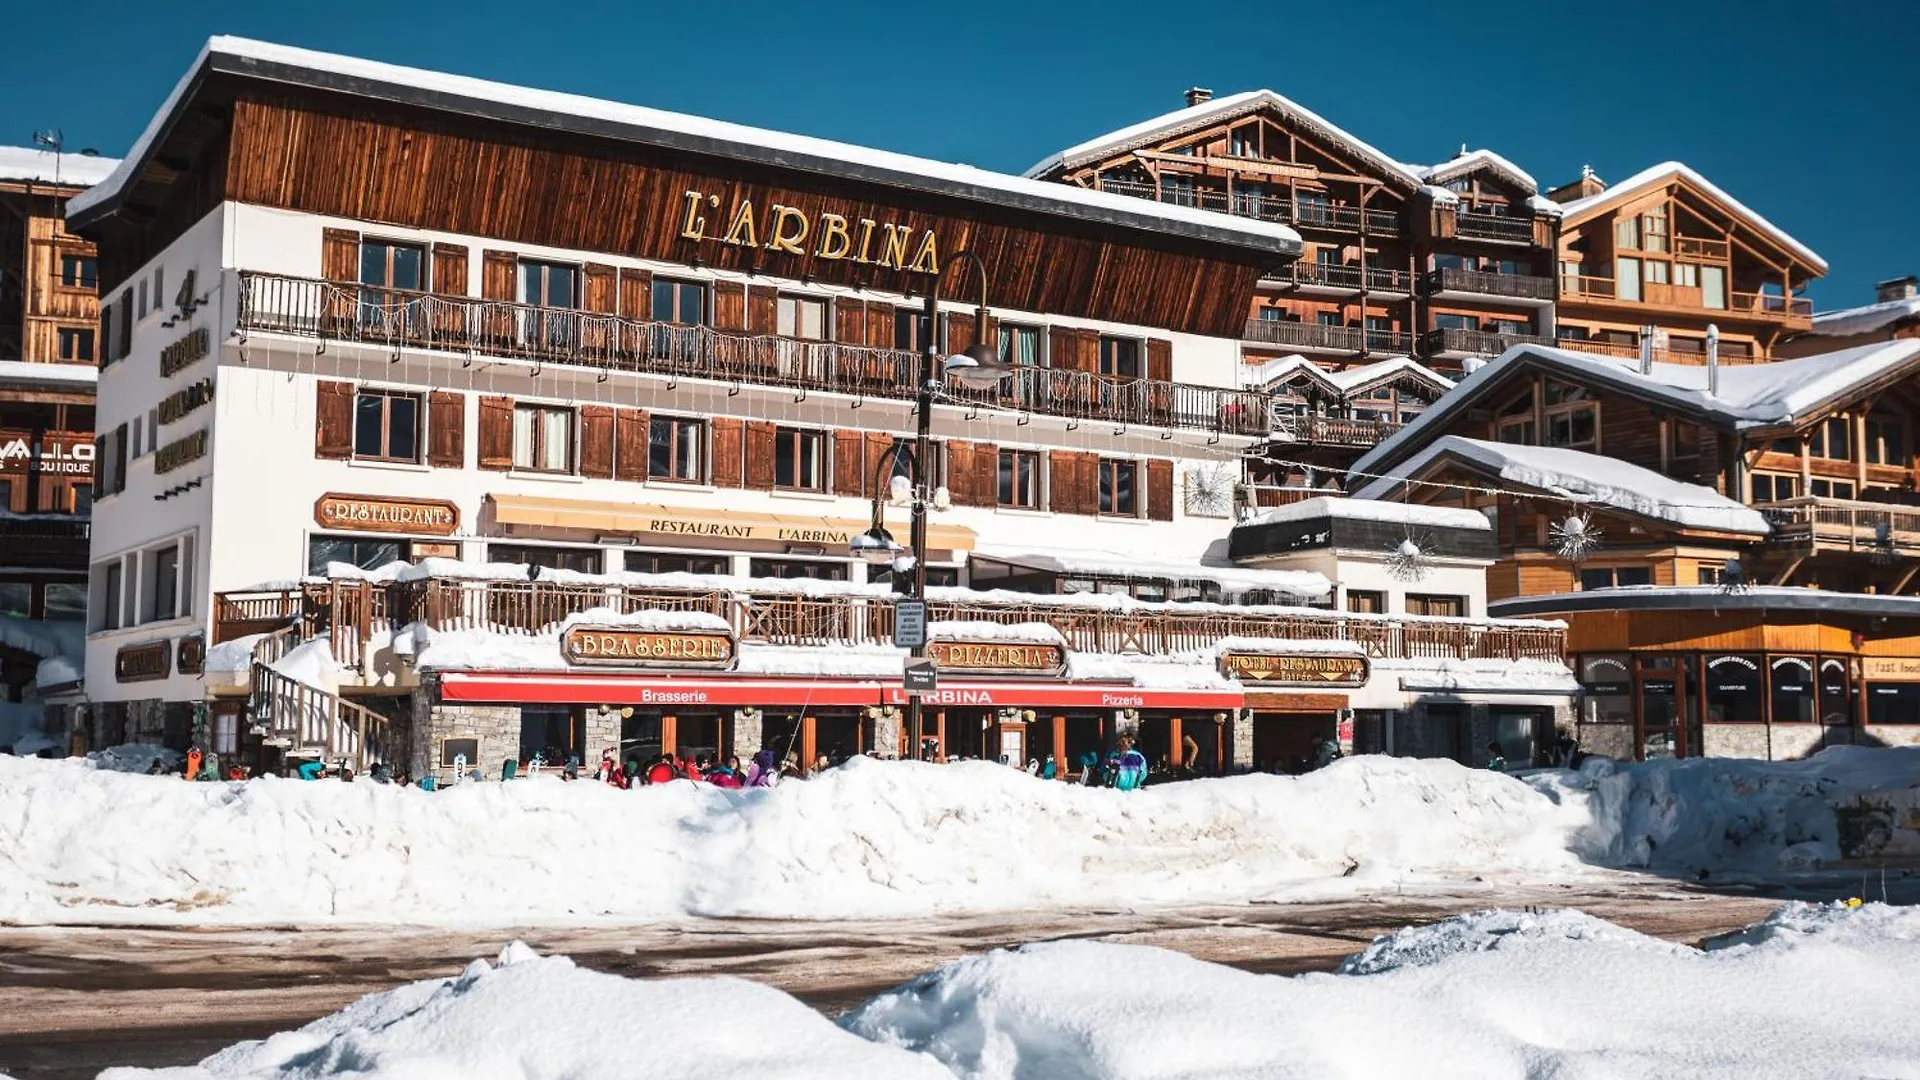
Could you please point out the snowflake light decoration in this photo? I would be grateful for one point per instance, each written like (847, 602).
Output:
(1408, 561)
(1576, 537)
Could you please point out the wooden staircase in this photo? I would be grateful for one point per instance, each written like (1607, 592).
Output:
(308, 721)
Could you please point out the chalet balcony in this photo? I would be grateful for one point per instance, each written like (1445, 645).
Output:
(1306, 335)
(1525, 288)
(1457, 342)
(1751, 305)
(45, 541)
(1477, 225)
(1342, 279)
(1341, 431)
(355, 612)
(1265, 207)
(390, 319)
(1874, 529)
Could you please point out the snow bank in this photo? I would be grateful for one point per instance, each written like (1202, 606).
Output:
(1569, 997)
(869, 839)
(542, 1018)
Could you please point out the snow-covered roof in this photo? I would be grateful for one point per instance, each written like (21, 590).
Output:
(1582, 477)
(1167, 125)
(1302, 583)
(1669, 170)
(1361, 509)
(46, 167)
(22, 371)
(1865, 320)
(554, 110)
(1470, 161)
(1750, 395)
(1266, 374)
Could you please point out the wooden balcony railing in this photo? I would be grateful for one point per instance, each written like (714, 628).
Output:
(44, 542)
(1261, 205)
(1449, 340)
(1519, 286)
(1347, 277)
(392, 319)
(1874, 528)
(1753, 304)
(1691, 247)
(1771, 305)
(536, 607)
(1332, 430)
(1267, 496)
(1586, 287)
(1306, 335)
(1483, 226)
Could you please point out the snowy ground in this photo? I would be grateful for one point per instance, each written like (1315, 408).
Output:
(1811, 992)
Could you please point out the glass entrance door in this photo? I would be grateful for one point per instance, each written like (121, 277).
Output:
(1661, 699)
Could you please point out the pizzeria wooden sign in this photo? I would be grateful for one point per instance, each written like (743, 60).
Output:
(626, 646)
(1282, 669)
(998, 657)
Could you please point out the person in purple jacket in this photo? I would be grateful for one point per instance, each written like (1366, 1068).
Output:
(763, 771)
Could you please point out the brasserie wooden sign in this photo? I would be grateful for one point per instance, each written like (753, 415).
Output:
(386, 514)
(1278, 669)
(626, 646)
(142, 663)
(998, 657)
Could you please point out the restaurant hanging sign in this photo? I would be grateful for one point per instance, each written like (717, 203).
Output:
(626, 646)
(789, 229)
(1283, 669)
(998, 657)
(385, 514)
(142, 663)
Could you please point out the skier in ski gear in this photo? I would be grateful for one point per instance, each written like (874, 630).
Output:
(1130, 769)
(1496, 760)
(762, 772)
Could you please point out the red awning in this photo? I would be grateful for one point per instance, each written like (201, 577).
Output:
(663, 692)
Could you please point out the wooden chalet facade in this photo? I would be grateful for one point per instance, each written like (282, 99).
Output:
(1440, 263)
(1668, 249)
(1894, 314)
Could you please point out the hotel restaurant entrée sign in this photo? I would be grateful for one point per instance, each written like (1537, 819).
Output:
(1279, 669)
(627, 646)
(383, 514)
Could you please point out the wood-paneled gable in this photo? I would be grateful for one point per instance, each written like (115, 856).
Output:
(412, 167)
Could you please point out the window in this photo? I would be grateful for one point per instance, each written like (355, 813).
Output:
(1020, 479)
(1653, 229)
(1451, 606)
(797, 568)
(1329, 318)
(385, 265)
(1575, 428)
(386, 426)
(1312, 208)
(909, 330)
(166, 582)
(1713, 287)
(547, 732)
(1366, 601)
(683, 302)
(1830, 489)
(226, 732)
(159, 287)
(112, 593)
(1626, 279)
(1683, 439)
(1515, 423)
(1447, 320)
(1893, 703)
(1792, 690)
(16, 598)
(1608, 685)
(367, 554)
(1886, 441)
(1832, 440)
(65, 601)
(1686, 275)
(76, 346)
(1609, 577)
(1020, 345)
(1657, 272)
(552, 286)
(1836, 692)
(665, 562)
(1327, 255)
(1626, 232)
(1120, 357)
(1120, 487)
(799, 460)
(1774, 487)
(143, 298)
(543, 438)
(583, 560)
(676, 448)
(78, 272)
(802, 317)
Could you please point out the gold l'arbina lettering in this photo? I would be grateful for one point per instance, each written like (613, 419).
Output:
(927, 259)
(742, 230)
(893, 250)
(834, 241)
(694, 227)
(866, 240)
(778, 239)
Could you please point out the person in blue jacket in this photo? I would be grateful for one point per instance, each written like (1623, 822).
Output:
(313, 770)
(1132, 770)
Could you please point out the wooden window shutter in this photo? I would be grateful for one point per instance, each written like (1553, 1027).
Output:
(879, 325)
(1062, 349)
(849, 459)
(763, 309)
(760, 439)
(602, 289)
(99, 473)
(960, 474)
(879, 446)
(497, 271)
(1061, 470)
(631, 443)
(729, 305)
(333, 419)
(450, 270)
(120, 455)
(1087, 350)
(596, 441)
(728, 452)
(850, 322)
(496, 433)
(107, 355)
(636, 294)
(986, 474)
(959, 333)
(1159, 359)
(447, 429)
(1160, 489)
(340, 255)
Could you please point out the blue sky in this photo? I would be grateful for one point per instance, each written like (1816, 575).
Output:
(1804, 111)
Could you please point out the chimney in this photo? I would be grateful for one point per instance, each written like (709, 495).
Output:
(1588, 184)
(1713, 360)
(1900, 288)
(1198, 95)
(1646, 350)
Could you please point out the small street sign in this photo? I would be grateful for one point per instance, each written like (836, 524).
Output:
(919, 677)
(910, 623)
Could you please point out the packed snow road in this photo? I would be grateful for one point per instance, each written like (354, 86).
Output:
(75, 1000)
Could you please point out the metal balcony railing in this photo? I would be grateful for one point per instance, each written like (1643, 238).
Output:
(1347, 277)
(1871, 528)
(1483, 226)
(1262, 205)
(1306, 335)
(1449, 340)
(304, 307)
(1519, 286)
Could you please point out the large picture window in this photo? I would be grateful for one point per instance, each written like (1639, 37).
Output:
(1733, 691)
(365, 553)
(582, 560)
(1792, 689)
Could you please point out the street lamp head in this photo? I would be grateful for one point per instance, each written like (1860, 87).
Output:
(942, 498)
(979, 368)
(899, 491)
(876, 546)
